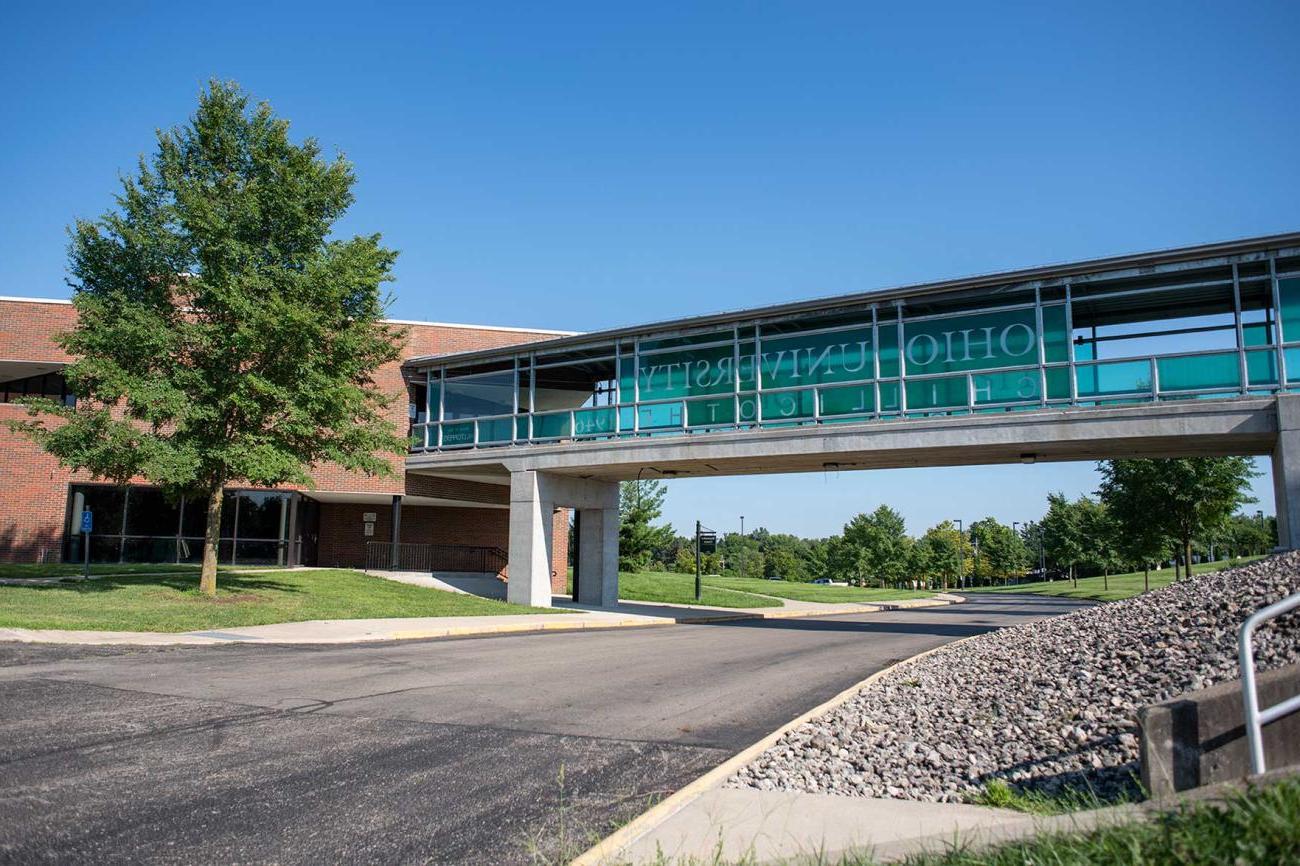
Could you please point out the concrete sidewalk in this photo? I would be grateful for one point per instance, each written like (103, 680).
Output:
(339, 631)
(739, 823)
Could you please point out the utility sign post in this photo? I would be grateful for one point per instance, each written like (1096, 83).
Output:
(706, 541)
(87, 524)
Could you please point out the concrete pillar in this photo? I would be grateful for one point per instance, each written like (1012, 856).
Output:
(533, 497)
(529, 569)
(1286, 471)
(598, 552)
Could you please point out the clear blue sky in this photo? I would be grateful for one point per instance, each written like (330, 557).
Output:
(584, 166)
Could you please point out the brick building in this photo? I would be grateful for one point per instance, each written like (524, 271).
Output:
(450, 524)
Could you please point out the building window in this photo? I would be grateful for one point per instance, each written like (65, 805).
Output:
(140, 524)
(51, 385)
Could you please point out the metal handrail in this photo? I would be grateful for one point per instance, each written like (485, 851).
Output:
(1256, 718)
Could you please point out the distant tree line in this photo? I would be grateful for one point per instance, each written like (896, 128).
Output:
(1146, 514)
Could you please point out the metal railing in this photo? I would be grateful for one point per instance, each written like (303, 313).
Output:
(1256, 718)
(386, 556)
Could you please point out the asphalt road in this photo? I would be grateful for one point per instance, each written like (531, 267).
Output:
(510, 749)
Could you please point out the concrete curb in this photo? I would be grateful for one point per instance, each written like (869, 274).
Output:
(612, 844)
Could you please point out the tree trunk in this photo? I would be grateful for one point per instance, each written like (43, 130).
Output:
(1146, 578)
(1074, 576)
(1105, 579)
(211, 539)
(1187, 557)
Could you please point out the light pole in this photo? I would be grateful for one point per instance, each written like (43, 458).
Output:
(961, 535)
(742, 545)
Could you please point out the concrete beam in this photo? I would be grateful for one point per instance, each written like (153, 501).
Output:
(1246, 426)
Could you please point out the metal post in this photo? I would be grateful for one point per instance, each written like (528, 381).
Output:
(1277, 325)
(699, 589)
(393, 560)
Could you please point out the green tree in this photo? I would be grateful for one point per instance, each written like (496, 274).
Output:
(1100, 538)
(1062, 533)
(880, 545)
(222, 335)
(640, 504)
(941, 553)
(1001, 552)
(1184, 497)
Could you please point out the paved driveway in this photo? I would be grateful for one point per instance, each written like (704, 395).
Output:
(508, 749)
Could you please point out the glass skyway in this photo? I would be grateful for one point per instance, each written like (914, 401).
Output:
(1204, 323)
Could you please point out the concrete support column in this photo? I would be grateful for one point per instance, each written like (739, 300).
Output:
(529, 569)
(598, 555)
(533, 498)
(1286, 471)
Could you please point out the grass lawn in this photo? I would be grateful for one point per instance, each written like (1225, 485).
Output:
(1259, 827)
(813, 591)
(1121, 585)
(172, 603)
(679, 589)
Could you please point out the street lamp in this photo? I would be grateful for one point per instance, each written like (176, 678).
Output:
(742, 545)
(961, 534)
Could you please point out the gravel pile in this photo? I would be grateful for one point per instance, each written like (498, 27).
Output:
(1047, 706)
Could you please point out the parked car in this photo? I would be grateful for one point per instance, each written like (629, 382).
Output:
(775, 577)
(823, 581)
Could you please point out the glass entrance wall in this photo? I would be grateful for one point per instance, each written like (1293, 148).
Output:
(139, 524)
(1190, 330)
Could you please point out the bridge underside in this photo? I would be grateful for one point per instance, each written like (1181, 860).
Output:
(583, 475)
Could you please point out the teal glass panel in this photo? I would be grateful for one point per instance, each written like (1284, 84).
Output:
(458, 434)
(747, 380)
(1058, 383)
(689, 373)
(817, 359)
(417, 436)
(889, 401)
(1199, 372)
(709, 413)
(850, 400)
(1292, 359)
(1261, 367)
(521, 427)
(661, 416)
(1289, 292)
(435, 395)
(1256, 334)
(888, 350)
(1012, 387)
(984, 341)
(496, 430)
(748, 408)
(1085, 351)
(626, 379)
(1055, 340)
(936, 393)
(551, 426)
(593, 422)
(1115, 377)
(788, 405)
(626, 419)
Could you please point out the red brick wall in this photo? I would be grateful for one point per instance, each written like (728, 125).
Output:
(343, 539)
(34, 489)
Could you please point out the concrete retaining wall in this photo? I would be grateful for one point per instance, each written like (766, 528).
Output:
(1199, 738)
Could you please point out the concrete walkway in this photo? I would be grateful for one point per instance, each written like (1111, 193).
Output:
(339, 631)
(739, 823)
(789, 609)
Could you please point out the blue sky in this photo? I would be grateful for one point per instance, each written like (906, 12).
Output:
(583, 166)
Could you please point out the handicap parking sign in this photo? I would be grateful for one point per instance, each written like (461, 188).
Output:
(87, 521)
